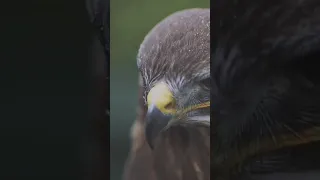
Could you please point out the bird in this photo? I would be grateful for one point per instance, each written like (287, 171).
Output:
(265, 89)
(264, 85)
(171, 135)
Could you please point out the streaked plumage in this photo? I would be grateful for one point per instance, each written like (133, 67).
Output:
(266, 88)
(265, 92)
(177, 53)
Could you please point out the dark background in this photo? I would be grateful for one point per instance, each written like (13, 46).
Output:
(130, 21)
(48, 81)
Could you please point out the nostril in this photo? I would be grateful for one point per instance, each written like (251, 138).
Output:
(170, 106)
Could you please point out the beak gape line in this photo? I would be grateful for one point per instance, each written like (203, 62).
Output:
(161, 112)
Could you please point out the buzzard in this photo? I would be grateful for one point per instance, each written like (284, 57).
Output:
(265, 89)
(264, 85)
(174, 64)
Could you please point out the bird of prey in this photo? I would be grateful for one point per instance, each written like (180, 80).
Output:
(174, 110)
(265, 86)
(265, 89)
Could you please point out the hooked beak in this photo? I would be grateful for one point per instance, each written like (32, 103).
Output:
(156, 122)
(160, 111)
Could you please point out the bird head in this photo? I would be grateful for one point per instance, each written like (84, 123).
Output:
(174, 63)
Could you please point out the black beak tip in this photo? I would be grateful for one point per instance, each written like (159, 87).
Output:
(156, 122)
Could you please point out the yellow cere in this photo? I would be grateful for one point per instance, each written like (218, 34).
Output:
(161, 96)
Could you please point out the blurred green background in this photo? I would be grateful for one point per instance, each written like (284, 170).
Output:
(130, 21)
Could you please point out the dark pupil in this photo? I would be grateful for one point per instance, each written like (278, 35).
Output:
(206, 82)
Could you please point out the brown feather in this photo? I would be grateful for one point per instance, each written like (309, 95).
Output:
(179, 153)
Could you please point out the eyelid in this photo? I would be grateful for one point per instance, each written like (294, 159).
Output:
(206, 82)
(205, 79)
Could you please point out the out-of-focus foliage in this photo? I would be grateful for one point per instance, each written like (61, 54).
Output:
(131, 20)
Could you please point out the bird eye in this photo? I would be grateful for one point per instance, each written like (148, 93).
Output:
(206, 83)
